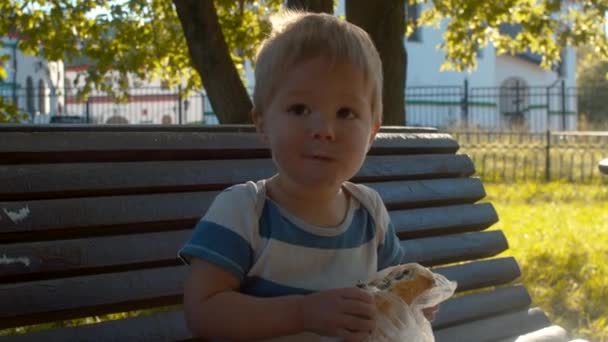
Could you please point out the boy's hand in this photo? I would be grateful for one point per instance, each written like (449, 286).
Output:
(347, 313)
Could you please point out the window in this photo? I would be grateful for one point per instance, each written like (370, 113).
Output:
(43, 99)
(108, 81)
(164, 85)
(561, 66)
(412, 14)
(137, 82)
(29, 95)
(514, 100)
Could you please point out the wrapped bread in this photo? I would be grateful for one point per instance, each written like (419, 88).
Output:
(406, 281)
(400, 293)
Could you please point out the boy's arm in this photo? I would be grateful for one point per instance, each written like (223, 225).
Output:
(214, 309)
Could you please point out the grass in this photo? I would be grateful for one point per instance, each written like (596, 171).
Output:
(558, 232)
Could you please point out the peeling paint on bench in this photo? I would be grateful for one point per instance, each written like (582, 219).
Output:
(4, 260)
(19, 215)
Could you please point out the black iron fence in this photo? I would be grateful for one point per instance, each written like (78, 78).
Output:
(512, 133)
(548, 156)
(151, 105)
(513, 106)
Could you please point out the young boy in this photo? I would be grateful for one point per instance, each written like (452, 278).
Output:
(279, 258)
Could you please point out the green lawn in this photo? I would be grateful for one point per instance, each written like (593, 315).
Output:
(559, 234)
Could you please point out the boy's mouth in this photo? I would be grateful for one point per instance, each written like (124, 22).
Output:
(319, 157)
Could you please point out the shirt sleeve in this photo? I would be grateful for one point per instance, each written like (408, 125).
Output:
(225, 235)
(390, 252)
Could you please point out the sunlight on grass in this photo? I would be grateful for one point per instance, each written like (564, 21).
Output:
(559, 234)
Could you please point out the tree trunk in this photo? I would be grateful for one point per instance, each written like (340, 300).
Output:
(319, 6)
(211, 58)
(384, 20)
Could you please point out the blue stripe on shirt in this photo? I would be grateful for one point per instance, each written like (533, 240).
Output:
(389, 252)
(260, 287)
(273, 225)
(221, 246)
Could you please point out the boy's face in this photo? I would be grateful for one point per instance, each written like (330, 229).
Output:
(319, 123)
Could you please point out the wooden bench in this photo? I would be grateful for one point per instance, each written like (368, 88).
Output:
(91, 219)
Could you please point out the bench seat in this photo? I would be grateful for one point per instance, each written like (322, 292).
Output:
(91, 218)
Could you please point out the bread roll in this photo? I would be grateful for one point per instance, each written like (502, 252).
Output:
(407, 281)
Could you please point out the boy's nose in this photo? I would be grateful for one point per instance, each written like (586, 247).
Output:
(322, 128)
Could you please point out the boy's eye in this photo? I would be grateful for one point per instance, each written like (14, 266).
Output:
(299, 109)
(346, 113)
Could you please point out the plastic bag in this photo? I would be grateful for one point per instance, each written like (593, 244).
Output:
(399, 321)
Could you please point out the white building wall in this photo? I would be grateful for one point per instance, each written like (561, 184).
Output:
(44, 101)
(433, 104)
(149, 103)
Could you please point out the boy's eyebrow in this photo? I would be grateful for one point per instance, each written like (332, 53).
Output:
(304, 91)
(354, 102)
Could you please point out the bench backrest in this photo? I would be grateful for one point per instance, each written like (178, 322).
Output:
(91, 219)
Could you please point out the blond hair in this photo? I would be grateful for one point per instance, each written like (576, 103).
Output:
(297, 36)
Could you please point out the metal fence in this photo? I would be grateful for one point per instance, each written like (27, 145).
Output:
(514, 106)
(548, 156)
(153, 105)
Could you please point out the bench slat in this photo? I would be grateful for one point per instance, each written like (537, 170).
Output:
(426, 193)
(160, 327)
(482, 304)
(61, 258)
(443, 220)
(454, 248)
(114, 292)
(553, 333)
(483, 273)
(73, 257)
(412, 223)
(226, 128)
(495, 328)
(170, 325)
(37, 181)
(39, 219)
(36, 302)
(86, 146)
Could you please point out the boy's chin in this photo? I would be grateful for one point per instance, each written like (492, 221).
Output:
(317, 181)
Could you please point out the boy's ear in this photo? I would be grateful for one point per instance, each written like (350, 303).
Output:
(375, 130)
(258, 121)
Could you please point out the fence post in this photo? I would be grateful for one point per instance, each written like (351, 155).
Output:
(465, 104)
(548, 107)
(88, 109)
(563, 105)
(548, 157)
(202, 108)
(179, 104)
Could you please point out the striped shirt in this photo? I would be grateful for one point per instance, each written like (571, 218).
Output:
(274, 253)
